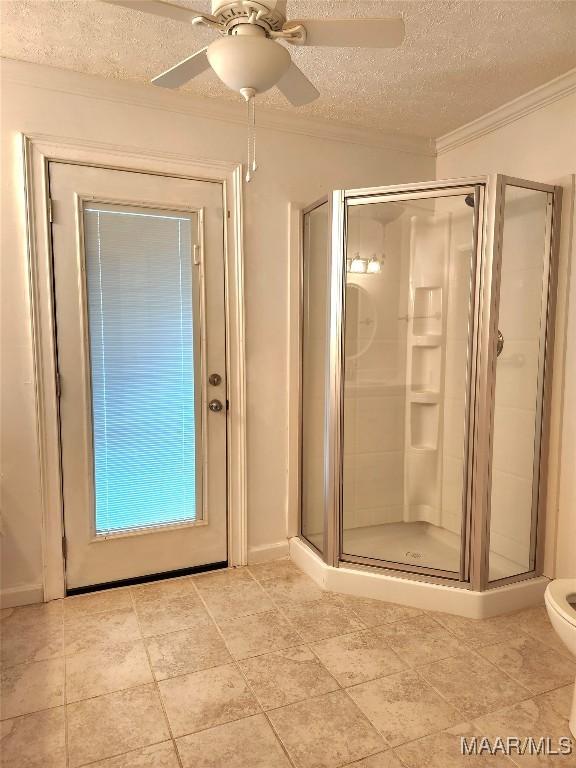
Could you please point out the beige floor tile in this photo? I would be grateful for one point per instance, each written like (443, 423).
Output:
(319, 619)
(292, 588)
(207, 698)
(118, 722)
(375, 612)
(536, 666)
(34, 741)
(98, 602)
(230, 602)
(531, 718)
(105, 670)
(444, 750)
(86, 632)
(274, 568)
(325, 732)
(157, 756)
(403, 707)
(420, 640)
(358, 657)
(189, 650)
(472, 684)
(227, 577)
(164, 589)
(260, 633)
(478, 632)
(535, 623)
(246, 743)
(31, 687)
(382, 760)
(559, 701)
(160, 616)
(287, 676)
(31, 633)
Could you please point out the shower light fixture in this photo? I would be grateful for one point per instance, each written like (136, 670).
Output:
(374, 266)
(358, 265)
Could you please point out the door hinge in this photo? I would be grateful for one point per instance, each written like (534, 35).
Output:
(50, 210)
(227, 405)
(197, 255)
(228, 212)
(64, 548)
(58, 385)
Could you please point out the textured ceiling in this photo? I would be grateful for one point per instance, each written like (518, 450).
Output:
(459, 60)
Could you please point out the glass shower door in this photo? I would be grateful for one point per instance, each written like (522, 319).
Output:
(408, 339)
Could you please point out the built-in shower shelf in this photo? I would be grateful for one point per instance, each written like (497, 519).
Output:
(424, 396)
(428, 340)
(423, 448)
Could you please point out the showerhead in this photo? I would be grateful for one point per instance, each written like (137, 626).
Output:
(469, 200)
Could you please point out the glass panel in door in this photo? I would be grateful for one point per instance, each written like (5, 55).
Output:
(408, 311)
(315, 296)
(143, 297)
(519, 381)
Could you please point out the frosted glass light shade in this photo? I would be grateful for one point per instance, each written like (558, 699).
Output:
(248, 62)
(358, 266)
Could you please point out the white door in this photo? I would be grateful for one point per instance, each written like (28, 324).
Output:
(140, 317)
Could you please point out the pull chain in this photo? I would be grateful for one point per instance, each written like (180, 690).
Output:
(254, 166)
(249, 94)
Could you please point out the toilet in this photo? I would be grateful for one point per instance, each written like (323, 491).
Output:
(560, 599)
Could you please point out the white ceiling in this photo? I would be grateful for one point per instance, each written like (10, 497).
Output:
(460, 59)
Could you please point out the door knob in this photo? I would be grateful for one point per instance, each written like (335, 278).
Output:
(215, 406)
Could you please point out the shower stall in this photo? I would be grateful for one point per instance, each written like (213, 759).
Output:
(426, 357)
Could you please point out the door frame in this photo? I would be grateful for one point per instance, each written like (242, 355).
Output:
(37, 152)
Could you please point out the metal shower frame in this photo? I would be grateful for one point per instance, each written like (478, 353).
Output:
(489, 199)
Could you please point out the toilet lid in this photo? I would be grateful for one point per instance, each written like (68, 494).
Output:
(558, 591)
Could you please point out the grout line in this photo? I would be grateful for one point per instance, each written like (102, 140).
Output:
(155, 682)
(247, 682)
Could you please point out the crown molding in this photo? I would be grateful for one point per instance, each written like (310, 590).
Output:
(513, 110)
(182, 102)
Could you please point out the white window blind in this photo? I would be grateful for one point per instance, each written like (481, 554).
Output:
(139, 275)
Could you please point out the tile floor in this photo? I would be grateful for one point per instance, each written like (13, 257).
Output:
(258, 668)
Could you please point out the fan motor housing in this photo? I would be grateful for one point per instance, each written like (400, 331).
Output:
(271, 13)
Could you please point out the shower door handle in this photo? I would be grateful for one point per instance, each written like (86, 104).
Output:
(499, 343)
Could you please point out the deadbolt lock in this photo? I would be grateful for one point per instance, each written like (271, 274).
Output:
(215, 379)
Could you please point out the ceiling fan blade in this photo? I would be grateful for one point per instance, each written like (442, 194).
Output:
(183, 71)
(296, 87)
(351, 33)
(160, 8)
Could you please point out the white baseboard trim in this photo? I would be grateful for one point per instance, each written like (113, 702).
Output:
(418, 594)
(25, 595)
(267, 552)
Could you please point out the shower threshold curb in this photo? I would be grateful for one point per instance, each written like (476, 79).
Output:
(364, 582)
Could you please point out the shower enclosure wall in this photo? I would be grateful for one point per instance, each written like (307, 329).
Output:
(427, 323)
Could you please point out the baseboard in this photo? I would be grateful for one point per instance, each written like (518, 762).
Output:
(418, 594)
(25, 595)
(268, 552)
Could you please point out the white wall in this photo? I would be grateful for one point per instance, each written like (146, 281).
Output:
(298, 161)
(540, 145)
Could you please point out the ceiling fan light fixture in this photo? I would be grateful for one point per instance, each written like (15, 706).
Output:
(248, 62)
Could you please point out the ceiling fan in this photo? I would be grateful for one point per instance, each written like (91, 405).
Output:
(248, 57)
